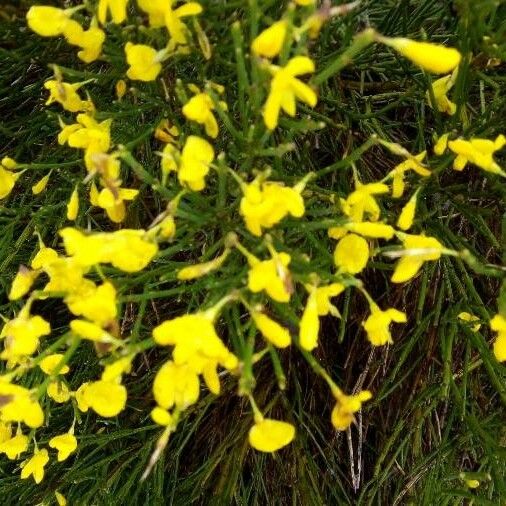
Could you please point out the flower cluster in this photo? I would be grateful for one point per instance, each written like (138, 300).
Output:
(281, 294)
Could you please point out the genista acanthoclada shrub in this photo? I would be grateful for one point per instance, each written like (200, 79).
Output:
(221, 143)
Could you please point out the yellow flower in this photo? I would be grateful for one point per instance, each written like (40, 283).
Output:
(65, 444)
(66, 95)
(304, 2)
(323, 296)
(113, 202)
(96, 303)
(35, 466)
(265, 204)
(440, 88)
(399, 171)
(80, 397)
(176, 385)
(106, 398)
(498, 324)
(199, 270)
(125, 249)
(117, 8)
(346, 405)
(351, 254)
(200, 109)
(58, 391)
(91, 331)
(361, 201)
(269, 435)
(15, 446)
(285, 89)
(7, 181)
(22, 335)
(47, 21)
(472, 483)
(271, 276)
(407, 215)
(419, 249)
(378, 322)
(22, 283)
(116, 369)
(18, 406)
(142, 61)
(73, 206)
(203, 343)
(272, 331)
(40, 185)
(441, 144)
(365, 228)
(270, 42)
(470, 319)
(60, 498)
(434, 58)
(310, 323)
(196, 158)
(172, 17)
(478, 152)
(90, 41)
(87, 134)
(49, 363)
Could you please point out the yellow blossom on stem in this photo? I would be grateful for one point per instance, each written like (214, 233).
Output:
(117, 9)
(270, 41)
(87, 134)
(200, 109)
(47, 21)
(362, 202)
(18, 406)
(126, 249)
(65, 444)
(498, 324)
(419, 249)
(440, 88)
(21, 335)
(407, 215)
(441, 144)
(346, 406)
(176, 385)
(174, 24)
(271, 330)
(479, 152)
(378, 323)
(414, 163)
(196, 158)
(309, 326)
(269, 435)
(112, 200)
(22, 283)
(265, 204)
(351, 254)
(91, 331)
(434, 58)
(144, 62)
(96, 303)
(66, 95)
(15, 446)
(470, 319)
(116, 369)
(286, 88)
(49, 363)
(58, 391)
(90, 41)
(41, 184)
(73, 205)
(106, 398)
(365, 228)
(161, 416)
(7, 181)
(35, 466)
(199, 270)
(272, 276)
(80, 397)
(323, 296)
(60, 498)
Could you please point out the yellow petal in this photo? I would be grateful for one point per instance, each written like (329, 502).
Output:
(351, 254)
(271, 435)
